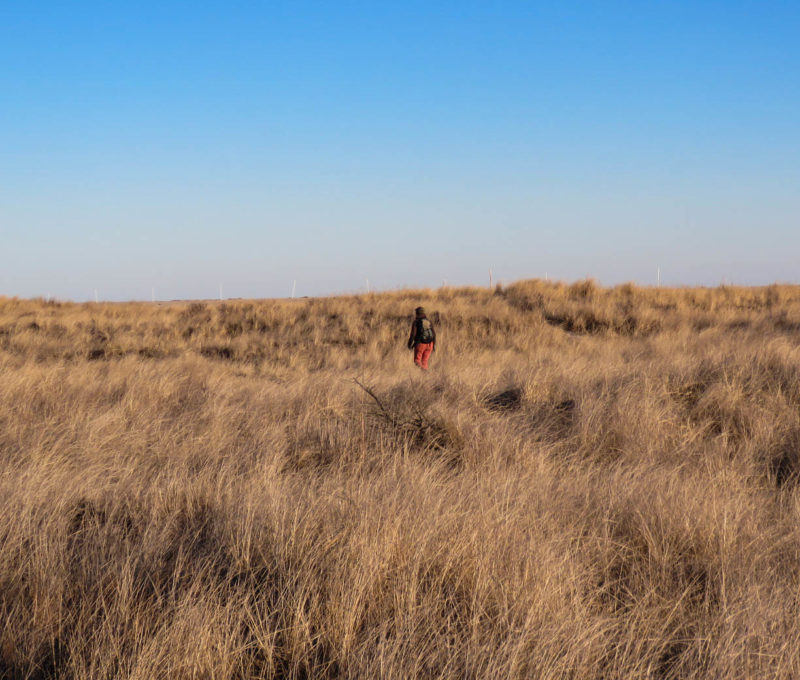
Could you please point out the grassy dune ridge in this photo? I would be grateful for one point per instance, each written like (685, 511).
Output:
(589, 483)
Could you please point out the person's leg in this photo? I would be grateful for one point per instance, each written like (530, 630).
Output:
(426, 355)
(418, 350)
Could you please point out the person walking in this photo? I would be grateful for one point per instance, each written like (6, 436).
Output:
(422, 339)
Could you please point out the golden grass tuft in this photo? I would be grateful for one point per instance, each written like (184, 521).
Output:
(590, 483)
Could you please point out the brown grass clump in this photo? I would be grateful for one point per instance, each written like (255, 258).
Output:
(589, 483)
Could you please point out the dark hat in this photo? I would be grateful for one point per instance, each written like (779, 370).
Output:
(420, 311)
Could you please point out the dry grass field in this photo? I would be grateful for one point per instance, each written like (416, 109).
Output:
(589, 483)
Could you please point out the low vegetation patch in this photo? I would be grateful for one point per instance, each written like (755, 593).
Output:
(589, 483)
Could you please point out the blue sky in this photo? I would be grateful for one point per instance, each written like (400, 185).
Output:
(178, 146)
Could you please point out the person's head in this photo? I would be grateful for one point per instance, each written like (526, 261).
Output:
(419, 311)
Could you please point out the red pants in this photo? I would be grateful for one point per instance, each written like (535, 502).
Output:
(422, 352)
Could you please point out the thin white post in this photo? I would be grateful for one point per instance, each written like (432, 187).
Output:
(545, 277)
(659, 276)
(95, 296)
(294, 284)
(490, 277)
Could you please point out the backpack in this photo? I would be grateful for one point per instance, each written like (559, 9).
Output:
(424, 330)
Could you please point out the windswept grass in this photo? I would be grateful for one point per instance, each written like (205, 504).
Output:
(589, 483)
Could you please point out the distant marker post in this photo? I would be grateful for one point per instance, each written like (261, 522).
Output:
(294, 285)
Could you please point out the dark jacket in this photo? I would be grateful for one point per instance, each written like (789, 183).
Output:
(416, 331)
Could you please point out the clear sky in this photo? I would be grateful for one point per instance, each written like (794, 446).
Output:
(184, 145)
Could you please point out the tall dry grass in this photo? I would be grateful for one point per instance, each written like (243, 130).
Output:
(589, 483)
